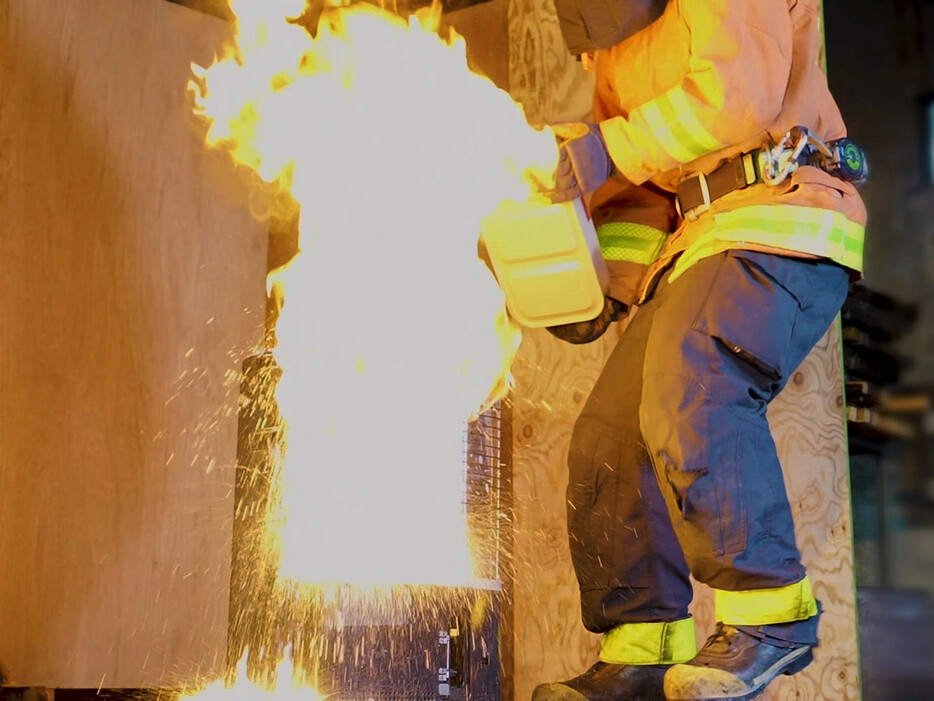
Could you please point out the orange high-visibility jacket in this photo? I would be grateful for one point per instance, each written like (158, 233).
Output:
(707, 81)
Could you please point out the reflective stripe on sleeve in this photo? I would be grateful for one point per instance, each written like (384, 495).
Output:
(758, 607)
(677, 127)
(636, 243)
(662, 642)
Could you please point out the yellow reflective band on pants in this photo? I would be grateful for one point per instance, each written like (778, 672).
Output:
(820, 232)
(662, 642)
(759, 607)
(635, 243)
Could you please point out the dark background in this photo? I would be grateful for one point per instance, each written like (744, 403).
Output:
(880, 60)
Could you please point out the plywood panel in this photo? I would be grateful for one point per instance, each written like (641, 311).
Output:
(552, 382)
(809, 426)
(485, 29)
(548, 82)
(810, 430)
(132, 285)
(807, 419)
(218, 8)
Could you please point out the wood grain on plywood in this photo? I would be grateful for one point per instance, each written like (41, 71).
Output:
(133, 284)
(810, 432)
(553, 381)
(218, 8)
(485, 30)
(550, 84)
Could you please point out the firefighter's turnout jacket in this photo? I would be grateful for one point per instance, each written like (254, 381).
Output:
(707, 81)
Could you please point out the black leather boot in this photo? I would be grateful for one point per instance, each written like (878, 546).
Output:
(733, 665)
(608, 682)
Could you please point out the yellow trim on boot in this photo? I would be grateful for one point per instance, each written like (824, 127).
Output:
(759, 607)
(661, 642)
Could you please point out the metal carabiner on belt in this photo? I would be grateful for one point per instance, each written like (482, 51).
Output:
(842, 157)
(782, 158)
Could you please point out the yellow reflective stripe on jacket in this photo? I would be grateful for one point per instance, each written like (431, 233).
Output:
(758, 607)
(662, 642)
(636, 243)
(820, 232)
(824, 232)
(703, 248)
(677, 128)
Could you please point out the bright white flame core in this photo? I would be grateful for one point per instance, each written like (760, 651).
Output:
(246, 690)
(393, 333)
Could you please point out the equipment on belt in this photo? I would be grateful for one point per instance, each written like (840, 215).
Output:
(771, 165)
(547, 261)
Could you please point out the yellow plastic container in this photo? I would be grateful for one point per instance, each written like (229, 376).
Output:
(547, 261)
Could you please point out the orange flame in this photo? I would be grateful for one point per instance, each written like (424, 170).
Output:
(248, 690)
(393, 333)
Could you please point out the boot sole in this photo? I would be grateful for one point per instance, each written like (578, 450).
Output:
(797, 665)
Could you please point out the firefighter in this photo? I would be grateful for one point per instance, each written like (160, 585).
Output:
(738, 252)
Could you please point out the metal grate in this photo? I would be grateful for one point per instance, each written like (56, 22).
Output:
(392, 653)
(483, 490)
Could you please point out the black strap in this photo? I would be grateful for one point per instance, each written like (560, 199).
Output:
(730, 176)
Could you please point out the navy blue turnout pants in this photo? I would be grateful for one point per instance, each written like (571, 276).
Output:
(672, 464)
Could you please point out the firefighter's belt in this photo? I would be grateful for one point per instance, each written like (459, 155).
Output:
(695, 194)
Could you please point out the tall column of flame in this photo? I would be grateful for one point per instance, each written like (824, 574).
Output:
(393, 332)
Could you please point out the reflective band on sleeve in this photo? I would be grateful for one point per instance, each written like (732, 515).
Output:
(636, 243)
(674, 105)
(759, 607)
(820, 232)
(677, 127)
(660, 642)
(662, 130)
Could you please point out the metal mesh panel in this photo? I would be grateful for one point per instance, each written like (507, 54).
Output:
(390, 654)
(483, 498)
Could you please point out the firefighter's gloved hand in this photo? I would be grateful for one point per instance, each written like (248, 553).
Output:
(584, 164)
(588, 331)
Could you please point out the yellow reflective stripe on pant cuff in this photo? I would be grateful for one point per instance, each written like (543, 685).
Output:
(759, 607)
(662, 642)
(636, 243)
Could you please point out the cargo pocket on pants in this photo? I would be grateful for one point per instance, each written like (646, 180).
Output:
(752, 315)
